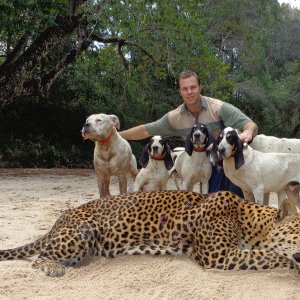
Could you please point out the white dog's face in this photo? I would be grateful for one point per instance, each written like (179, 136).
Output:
(199, 134)
(157, 145)
(227, 144)
(99, 126)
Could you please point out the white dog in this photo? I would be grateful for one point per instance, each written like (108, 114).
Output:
(193, 165)
(112, 155)
(266, 143)
(256, 172)
(156, 161)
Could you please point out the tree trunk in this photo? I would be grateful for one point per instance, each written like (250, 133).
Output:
(16, 77)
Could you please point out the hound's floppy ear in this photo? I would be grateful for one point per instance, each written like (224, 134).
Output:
(188, 145)
(115, 121)
(209, 148)
(210, 143)
(208, 137)
(168, 158)
(238, 154)
(144, 159)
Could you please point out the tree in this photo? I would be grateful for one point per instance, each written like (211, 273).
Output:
(119, 57)
(53, 36)
(260, 42)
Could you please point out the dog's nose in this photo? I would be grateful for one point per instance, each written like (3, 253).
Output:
(221, 150)
(86, 125)
(155, 148)
(196, 135)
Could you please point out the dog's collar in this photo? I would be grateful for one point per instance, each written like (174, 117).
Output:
(158, 157)
(199, 149)
(105, 141)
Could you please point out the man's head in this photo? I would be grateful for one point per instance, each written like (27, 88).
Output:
(189, 87)
(187, 74)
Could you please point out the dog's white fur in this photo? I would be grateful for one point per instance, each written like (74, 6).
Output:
(156, 162)
(272, 144)
(112, 154)
(256, 172)
(266, 144)
(194, 166)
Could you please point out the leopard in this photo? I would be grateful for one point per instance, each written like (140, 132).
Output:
(219, 231)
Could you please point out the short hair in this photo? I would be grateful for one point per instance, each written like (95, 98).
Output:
(187, 74)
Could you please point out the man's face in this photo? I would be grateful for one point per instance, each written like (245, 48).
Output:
(189, 90)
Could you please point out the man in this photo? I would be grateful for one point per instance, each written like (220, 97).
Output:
(214, 113)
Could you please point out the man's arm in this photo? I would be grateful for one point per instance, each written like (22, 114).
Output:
(135, 133)
(233, 117)
(249, 132)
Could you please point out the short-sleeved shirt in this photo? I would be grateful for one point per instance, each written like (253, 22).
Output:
(214, 113)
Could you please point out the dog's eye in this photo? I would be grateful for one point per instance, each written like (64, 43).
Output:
(98, 120)
(229, 137)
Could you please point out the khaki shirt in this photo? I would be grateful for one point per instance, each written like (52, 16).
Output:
(214, 113)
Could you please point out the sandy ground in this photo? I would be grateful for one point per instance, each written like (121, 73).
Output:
(30, 202)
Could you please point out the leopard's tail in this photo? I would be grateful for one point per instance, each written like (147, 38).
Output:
(27, 250)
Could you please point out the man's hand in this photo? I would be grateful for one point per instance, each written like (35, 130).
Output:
(246, 136)
(249, 132)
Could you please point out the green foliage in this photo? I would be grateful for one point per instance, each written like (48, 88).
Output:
(40, 153)
(261, 40)
(43, 134)
(18, 16)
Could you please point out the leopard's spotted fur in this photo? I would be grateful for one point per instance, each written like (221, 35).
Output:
(219, 231)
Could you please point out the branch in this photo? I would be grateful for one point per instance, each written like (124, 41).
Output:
(101, 6)
(120, 45)
(122, 41)
(14, 55)
(12, 85)
(139, 46)
(39, 86)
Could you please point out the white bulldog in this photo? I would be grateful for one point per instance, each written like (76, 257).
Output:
(112, 155)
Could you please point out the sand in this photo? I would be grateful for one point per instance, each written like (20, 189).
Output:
(30, 202)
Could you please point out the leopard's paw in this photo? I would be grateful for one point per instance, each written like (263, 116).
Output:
(50, 268)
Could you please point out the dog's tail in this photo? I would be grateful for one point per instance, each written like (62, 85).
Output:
(176, 152)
